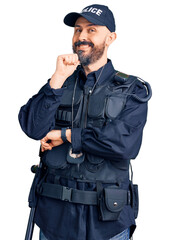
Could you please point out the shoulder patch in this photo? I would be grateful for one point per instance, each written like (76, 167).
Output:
(121, 77)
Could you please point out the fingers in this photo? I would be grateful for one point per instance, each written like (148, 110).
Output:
(45, 146)
(70, 59)
(55, 140)
(42, 148)
(49, 146)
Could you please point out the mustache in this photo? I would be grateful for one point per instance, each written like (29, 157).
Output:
(79, 43)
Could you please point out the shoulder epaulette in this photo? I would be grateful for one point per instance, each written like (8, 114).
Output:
(121, 77)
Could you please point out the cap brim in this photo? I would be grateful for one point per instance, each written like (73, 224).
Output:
(71, 18)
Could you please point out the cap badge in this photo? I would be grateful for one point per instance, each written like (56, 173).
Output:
(93, 10)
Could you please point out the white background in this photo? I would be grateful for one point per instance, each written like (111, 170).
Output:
(32, 36)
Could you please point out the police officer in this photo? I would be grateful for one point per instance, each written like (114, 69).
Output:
(89, 118)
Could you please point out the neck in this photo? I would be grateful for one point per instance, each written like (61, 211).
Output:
(95, 66)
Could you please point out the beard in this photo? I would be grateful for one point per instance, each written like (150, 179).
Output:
(93, 56)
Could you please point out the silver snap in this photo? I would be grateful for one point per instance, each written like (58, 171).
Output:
(115, 204)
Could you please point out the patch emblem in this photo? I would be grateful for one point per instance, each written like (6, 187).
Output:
(122, 75)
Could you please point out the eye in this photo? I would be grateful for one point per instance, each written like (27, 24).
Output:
(91, 30)
(77, 30)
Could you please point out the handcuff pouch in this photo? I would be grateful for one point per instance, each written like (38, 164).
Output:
(111, 203)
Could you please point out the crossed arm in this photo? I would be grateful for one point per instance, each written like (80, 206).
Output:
(55, 139)
(120, 139)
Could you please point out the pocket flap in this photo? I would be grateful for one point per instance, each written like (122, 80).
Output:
(114, 106)
(56, 158)
(115, 199)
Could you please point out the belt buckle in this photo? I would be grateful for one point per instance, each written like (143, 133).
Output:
(66, 194)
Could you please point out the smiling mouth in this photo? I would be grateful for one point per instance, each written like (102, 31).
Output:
(83, 46)
(83, 43)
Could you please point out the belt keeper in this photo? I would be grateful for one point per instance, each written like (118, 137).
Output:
(66, 194)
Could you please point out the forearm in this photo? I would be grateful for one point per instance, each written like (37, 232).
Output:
(119, 139)
(119, 142)
(56, 139)
(37, 117)
(57, 81)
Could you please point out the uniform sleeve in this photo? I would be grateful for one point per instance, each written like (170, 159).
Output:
(37, 116)
(121, 138)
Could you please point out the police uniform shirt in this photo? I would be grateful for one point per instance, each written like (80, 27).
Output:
(60, 220)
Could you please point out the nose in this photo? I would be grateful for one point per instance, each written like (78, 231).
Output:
(83, 35)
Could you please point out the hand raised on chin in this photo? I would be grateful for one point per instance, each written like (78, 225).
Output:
(65, 66)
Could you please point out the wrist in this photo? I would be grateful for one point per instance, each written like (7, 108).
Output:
(68, 135)
(57, 81)
(63, 135)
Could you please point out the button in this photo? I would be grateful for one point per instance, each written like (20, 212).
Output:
(47, 105)
(115, 204)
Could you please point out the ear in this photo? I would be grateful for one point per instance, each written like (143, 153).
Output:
(110, 38)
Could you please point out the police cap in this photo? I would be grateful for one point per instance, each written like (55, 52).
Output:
(97, 14)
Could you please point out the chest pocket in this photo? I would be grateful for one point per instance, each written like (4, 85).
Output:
(64, 111)
(105, 106)
(114, 105)
(96, 108)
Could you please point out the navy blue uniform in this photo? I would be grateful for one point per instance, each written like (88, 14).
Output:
(116, 141)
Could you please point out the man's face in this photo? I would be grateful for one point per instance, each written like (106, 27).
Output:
(89, 41)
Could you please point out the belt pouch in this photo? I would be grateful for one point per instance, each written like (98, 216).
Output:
(111, 203)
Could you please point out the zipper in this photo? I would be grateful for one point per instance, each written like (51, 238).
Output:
(86, 112)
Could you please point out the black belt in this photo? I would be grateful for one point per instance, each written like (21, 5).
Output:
(69, 194)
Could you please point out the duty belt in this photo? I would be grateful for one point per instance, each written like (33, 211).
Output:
(71, 195)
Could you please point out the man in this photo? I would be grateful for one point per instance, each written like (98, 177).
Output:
(89, 118)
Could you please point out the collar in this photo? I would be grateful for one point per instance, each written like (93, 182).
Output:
(107, 71)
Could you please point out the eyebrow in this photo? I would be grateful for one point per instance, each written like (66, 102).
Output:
(89, 25)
